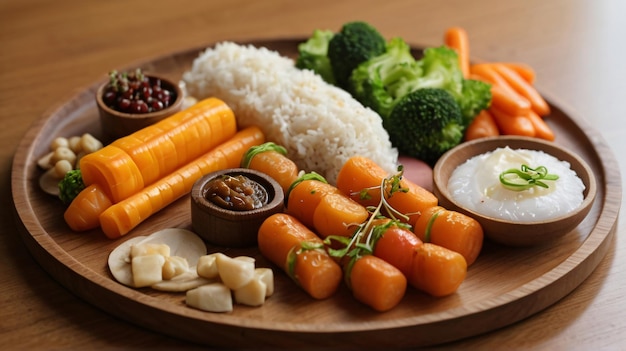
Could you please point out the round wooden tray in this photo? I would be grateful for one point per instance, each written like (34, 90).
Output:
(505, 285)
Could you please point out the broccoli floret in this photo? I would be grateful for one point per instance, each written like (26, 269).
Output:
(475, 97)
(312, 54)
(425, 124)
(71, 185)
(375, 82)
(355, 43)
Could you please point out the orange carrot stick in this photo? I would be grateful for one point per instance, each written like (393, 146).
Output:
(125, 215)
(128, 164)
(289, 244)
(524, 70)
(456, 38)
(452, 230)
(519, 84)
(84, 211)
(437, 271)
(337, 214)
(360, 178)
(542, 129)
(512, 124)
(271, 159)
(503, 96)
(375, 282)
(482, 126)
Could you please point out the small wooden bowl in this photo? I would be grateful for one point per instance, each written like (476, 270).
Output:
(116, 124)
(230, 228)
(508, 232)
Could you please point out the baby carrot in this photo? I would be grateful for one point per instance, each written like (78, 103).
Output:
(456, 38)
(436, 270)
(125, 215)
(524, 70)
(482, 126)
(361, 179)
(452, 230)
(337, 214)
(503, 96)
(84, 211)
(304, 196)
(542, 129)
(289, 244)
(375, 282)
(271, 159)
(512, 124)
(519, 84)
(396, 244)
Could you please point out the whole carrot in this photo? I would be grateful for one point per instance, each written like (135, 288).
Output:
(289, 244)
(436, 270)
(523, 69)
(271, 159)
(128, 164)
(482, 126)
(452, 230)
(456, 38)
(375, 282)
(522, 87)
(125, 215)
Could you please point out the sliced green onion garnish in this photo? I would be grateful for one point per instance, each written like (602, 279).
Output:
(526, 178)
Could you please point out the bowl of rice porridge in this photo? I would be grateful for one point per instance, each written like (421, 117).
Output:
(523, 191)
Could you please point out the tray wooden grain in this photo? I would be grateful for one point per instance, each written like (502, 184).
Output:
(504, 286)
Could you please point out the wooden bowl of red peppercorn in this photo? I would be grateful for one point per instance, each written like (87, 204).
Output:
(129, 101)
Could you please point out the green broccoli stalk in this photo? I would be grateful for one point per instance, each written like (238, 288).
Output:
(425, 124)
(313, 55)
(355, 43)
(71, 185)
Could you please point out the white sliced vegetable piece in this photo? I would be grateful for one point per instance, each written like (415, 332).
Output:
(207, 266)
(144, 249)
(183, 282)
(267, 276)
(49, 182)
(182, 242)
(174, 266)
(119, 261)
(251, 294)
(214, 297)
(147, 270)
(234, 273)
(44, 161)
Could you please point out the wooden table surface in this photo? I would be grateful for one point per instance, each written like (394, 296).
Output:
(51, 49)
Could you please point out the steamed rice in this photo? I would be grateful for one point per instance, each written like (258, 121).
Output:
(320, 125)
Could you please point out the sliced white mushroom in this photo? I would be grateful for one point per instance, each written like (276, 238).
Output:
(49, 182)
(183, 282)
(234, 273)
(44, 161)
(214, 297)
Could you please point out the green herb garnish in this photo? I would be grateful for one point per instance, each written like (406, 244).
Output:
(526, 178)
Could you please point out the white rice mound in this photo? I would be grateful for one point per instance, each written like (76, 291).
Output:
(320, 125)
